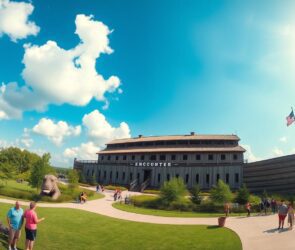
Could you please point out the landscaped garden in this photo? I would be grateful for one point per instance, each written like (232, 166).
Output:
(76, 229)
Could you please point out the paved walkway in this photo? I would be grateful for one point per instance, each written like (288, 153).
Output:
(256, 233)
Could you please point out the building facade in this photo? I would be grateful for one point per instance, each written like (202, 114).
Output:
(146, 162)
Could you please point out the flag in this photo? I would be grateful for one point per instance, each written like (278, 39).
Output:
(290, 118)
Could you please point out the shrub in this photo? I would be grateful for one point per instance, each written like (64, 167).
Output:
(172, 190)
(195, 195)
(149, 191)
(243, 195)
(221, 193)
(146, 201)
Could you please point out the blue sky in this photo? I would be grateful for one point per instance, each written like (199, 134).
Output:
(212, 67)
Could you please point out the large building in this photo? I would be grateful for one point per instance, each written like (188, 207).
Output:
(146, 162)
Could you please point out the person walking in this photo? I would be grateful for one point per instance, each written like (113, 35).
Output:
(248, 208)
(291, 215)
(32, 220)
(273, 206)
(282, 212)
(226, 209)
(14, 220)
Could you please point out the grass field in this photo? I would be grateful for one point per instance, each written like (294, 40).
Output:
(21, 191)
(166, 213)
(79, 230)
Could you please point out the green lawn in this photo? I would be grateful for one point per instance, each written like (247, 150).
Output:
(23, 191)
(76, 229)
(166, 213)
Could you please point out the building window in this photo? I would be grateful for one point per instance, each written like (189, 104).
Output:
(173, 157)
(117, 175)
(109, 157)
(207, 178)
(102, 157)
(98, 173)
(87, 172)
(104, 174)
(222, 157)
(198, 157)
(217, 177)
(133, 157)
(210, 157)
(92, 172)
(197, 178)
(142, 157)
(153, 157)
(186, 178)
(168, 177)
(123, 176)
(124, 157)
(227, 178)
(130, 176)
(177, 176)
(237, 178)
(162, 157)
(111, 175)
(117, 157)
(235, 157)
(159, 178)
(184, 157)
(138, 176)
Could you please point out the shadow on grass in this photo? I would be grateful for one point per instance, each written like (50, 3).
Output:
(213, 227)
(4, 242)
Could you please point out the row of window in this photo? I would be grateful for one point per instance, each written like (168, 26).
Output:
(186, 179)
(175, 142)
(172, 157)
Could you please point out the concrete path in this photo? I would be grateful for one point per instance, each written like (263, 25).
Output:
(256, 233)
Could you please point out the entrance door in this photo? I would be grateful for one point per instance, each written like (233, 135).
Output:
(147, 175)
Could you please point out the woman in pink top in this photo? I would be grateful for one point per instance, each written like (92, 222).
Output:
(31, 225)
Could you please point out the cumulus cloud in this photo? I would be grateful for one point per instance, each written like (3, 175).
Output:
(14, 20)
(55, 132)
(54, 75)
(249, 155)
(99, 132)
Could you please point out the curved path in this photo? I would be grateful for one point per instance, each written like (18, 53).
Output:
(258, 232)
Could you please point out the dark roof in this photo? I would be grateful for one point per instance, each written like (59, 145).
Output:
(175, 137)
(173, 149)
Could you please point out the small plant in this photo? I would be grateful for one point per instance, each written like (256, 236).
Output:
(195, 195)
(243, 195)
(221, 193)
(172, 190)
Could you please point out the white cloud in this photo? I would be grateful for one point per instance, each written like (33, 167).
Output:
(26, 139)
(277, 152)
(14, 20)
(55, 132)
(54, 75)
(249, 155)
(85, 151)
(99, 132)
(283, 139)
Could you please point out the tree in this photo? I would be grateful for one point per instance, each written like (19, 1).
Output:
(195, 195)
(221, 193)
(173, 190)
(243, 195)
(73, 178)
(40, 169)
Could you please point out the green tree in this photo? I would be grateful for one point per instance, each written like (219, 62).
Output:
(195, 195)
(173, 190)
(221, 193)
(73, 178)
(243, 195)
(40, 169)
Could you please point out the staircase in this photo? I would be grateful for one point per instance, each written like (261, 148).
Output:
(133, 186)
(145, 184)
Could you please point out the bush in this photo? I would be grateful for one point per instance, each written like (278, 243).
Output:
(243, 195)
(146, 201)
(221, 193)
(195, 195)
(172, 190)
